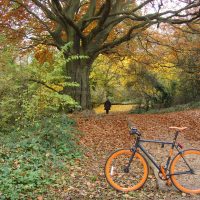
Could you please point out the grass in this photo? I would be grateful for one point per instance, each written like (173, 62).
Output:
(188, 106)
(131, 108)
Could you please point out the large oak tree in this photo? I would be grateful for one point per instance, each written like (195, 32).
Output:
(94, 26)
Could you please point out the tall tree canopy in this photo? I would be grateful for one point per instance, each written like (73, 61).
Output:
(94, 26)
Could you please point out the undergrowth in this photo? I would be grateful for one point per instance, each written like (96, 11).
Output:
(183, 107)
(33, 159)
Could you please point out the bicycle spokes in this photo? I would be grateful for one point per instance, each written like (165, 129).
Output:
(122, 174)
(185, 171)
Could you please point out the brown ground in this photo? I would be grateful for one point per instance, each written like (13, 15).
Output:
(104, 134)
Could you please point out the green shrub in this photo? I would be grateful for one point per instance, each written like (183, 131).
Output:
(33, 160)
(38, 87)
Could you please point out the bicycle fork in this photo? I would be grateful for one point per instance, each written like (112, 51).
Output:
(126, 168)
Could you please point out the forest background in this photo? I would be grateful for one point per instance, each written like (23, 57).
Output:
(64, 56)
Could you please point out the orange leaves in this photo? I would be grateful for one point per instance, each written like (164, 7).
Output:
(13, 21)
(17, 23)
(43, 54)
(13, 11)
(63, 36)
(40, 198)
(91, 26)
(108, 131)
(82, 11)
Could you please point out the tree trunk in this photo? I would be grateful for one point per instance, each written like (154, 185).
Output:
(79, 71)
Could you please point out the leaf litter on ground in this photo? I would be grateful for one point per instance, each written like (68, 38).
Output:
(104, 134)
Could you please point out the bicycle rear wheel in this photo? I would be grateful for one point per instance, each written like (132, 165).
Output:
(184, 179)
(123, 180)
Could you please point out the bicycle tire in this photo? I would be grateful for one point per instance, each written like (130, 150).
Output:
(126, 181)
(187, 183)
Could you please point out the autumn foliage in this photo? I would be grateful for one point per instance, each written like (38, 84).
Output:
(94, 27)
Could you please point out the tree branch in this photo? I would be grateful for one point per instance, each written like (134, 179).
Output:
(65, 20)
(32, 13)
(126, 37)
(48, 13)
(44, 84)
(90, 13)
(71, 8)
(105, 13)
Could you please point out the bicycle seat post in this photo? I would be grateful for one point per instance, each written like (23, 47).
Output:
(176, 135)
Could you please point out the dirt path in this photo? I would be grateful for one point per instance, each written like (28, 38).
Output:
(104, 134)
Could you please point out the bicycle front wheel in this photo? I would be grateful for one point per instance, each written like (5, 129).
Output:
(185, 171)
(122, 179)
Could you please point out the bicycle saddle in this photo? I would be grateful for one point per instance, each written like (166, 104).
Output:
(178, 128)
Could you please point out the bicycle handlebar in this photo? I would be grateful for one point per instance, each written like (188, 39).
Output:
(134, 131)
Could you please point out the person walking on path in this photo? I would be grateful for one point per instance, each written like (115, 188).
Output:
(107, 106)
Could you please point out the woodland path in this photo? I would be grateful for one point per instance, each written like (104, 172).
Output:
(106, 133)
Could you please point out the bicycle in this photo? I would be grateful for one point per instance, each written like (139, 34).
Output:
(127, 170)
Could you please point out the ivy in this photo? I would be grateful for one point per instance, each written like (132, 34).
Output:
(34, 159)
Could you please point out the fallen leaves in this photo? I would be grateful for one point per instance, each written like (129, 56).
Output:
(40, 198)
(104, 134)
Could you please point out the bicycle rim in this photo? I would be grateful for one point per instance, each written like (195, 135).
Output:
(126, 181)
(188, 183)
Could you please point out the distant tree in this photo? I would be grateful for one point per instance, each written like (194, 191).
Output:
(187, 59)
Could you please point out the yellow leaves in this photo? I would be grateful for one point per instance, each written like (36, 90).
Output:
(57, 87)
(110, 71)
(163, 64)
(114, 108)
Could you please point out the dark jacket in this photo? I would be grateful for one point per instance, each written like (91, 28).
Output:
(107, 105)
